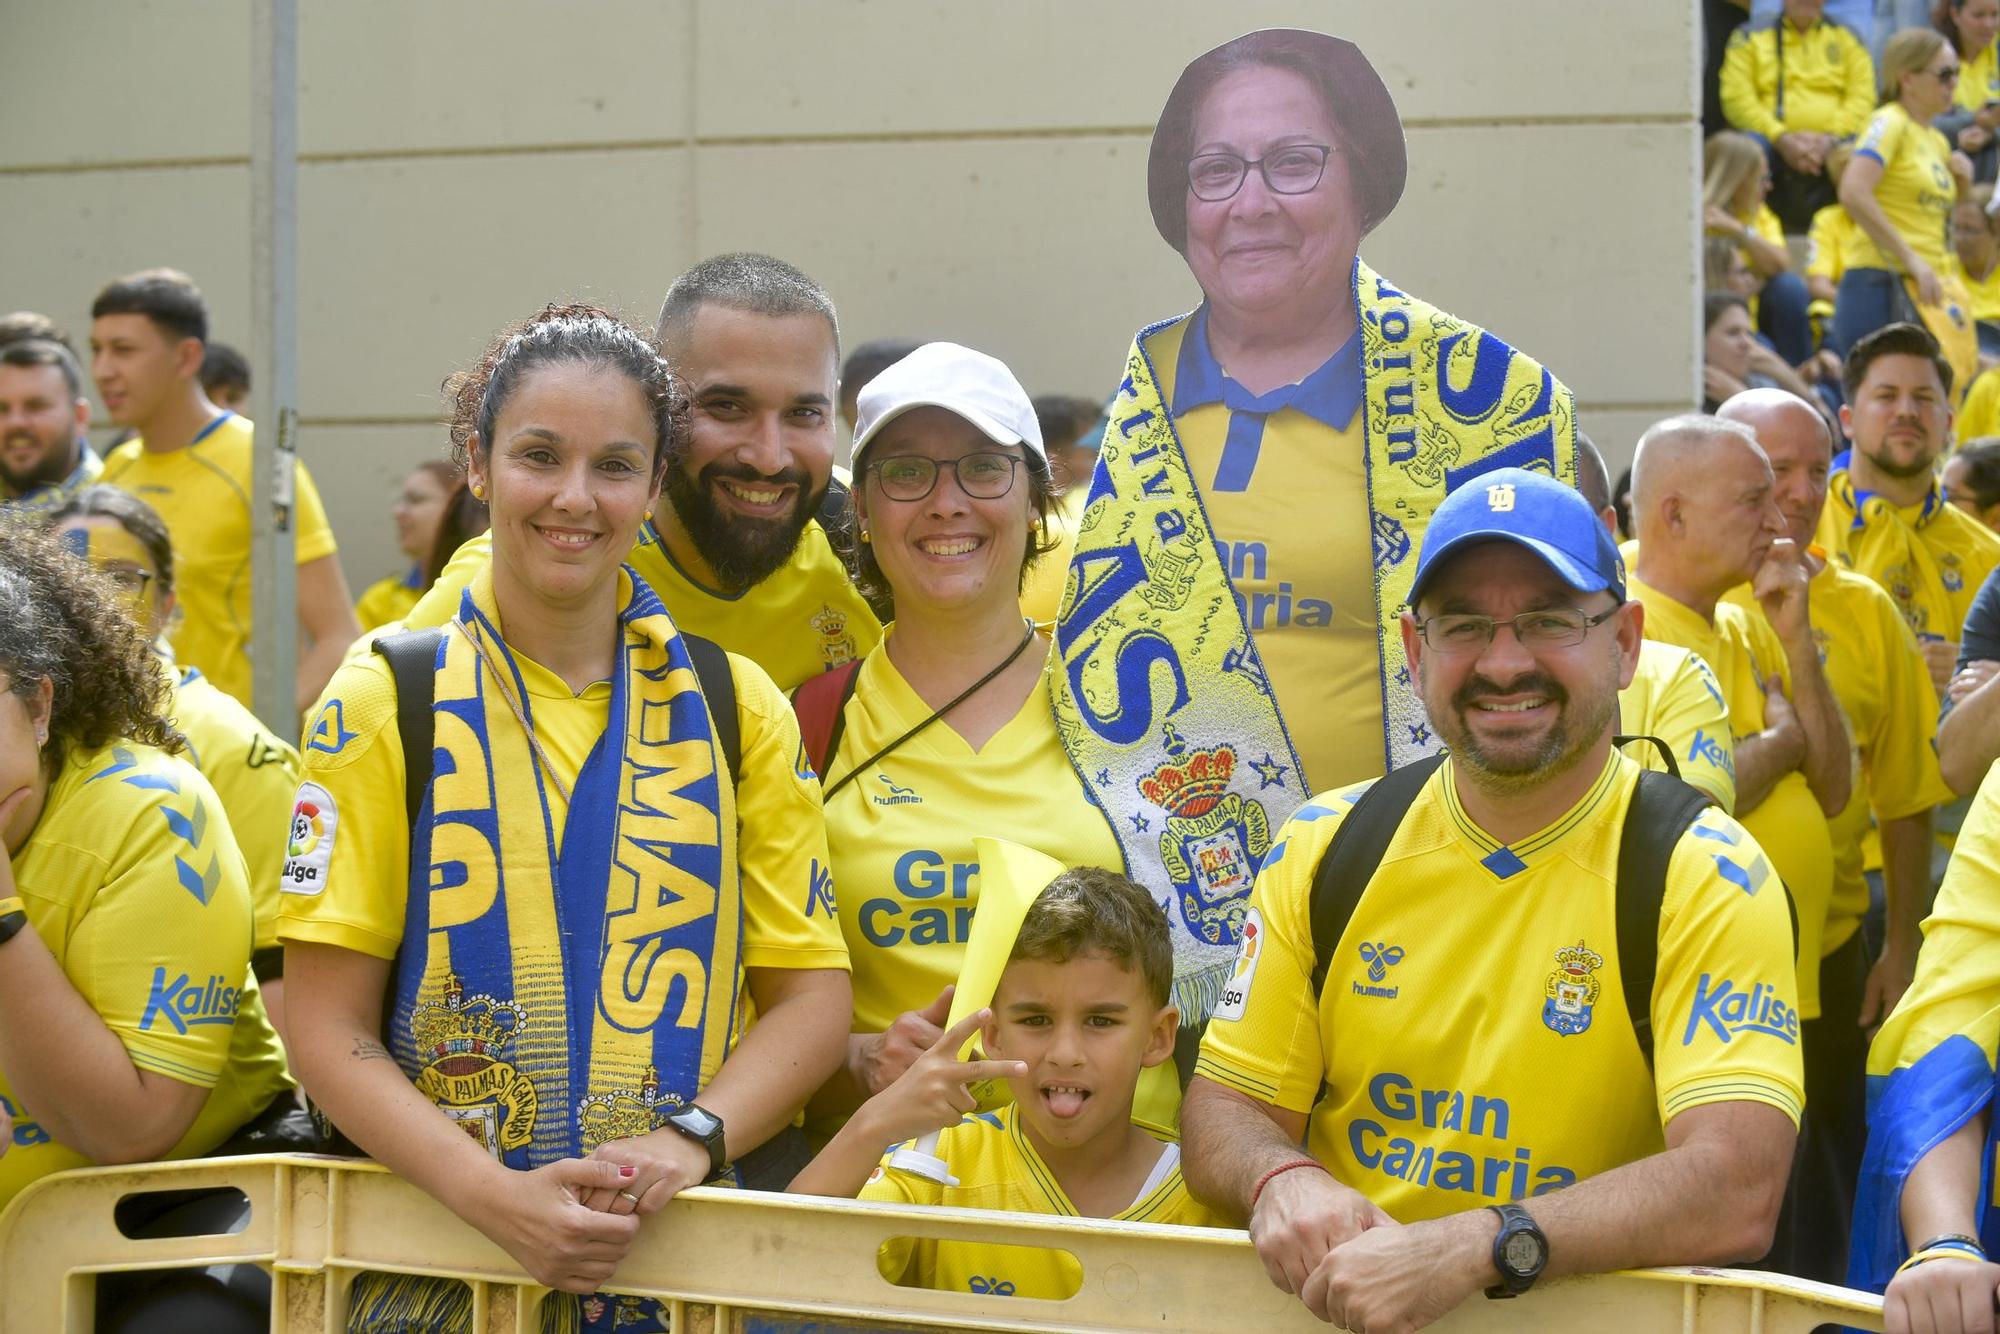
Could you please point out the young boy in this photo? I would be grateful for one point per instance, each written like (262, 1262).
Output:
(1080, 1010)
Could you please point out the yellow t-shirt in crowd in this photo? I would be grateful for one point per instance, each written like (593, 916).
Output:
(1916, 191)
(1674, 696)
(1876, 672)
(1788, 824)
(202, 494)
(1472, 1036)
(133, 882)
(1978, 80)
(805, 619)
(1289, 509)
(996, 1167)
(901, 840)
(1985, 292)
(1829, 80)
(1830, 244)
(1981, 414)
(353, 778)
(389, 599)
(254, 773)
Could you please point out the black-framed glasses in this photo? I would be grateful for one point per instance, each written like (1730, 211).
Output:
(1949, 74)
(983, 476)
(1551, 627)
(1294, 169)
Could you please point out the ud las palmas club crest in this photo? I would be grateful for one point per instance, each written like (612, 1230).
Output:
(460, 1040)
(626, 1113)
(1571, 989)
(1213, 840)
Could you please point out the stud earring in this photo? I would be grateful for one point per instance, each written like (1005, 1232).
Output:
(649, 516)
(478, 491)
(865, 537)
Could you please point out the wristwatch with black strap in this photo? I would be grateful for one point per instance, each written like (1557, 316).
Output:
(13, 916)
(1520, 1251)
(704, 1128)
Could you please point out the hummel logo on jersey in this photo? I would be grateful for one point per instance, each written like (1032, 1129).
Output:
(898, 796)
(1380, 956)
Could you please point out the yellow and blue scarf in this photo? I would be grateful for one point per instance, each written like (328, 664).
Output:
(1867, 532)
(551, 998)
(1161, 689)
(1931, 1068)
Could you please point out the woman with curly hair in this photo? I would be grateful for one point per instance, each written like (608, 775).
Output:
(566, 911)
(130, 1024)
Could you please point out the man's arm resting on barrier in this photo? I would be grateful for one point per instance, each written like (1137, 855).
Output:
(1940, 1199)
(1968, 739)
(800, 1038)
(1231, 1144)
(537, 1217)
(1711, 1198)
(74, 1073)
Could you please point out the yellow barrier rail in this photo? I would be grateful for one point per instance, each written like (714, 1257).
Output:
(732, 1262)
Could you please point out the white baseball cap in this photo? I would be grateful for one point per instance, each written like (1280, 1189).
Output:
(977, 387)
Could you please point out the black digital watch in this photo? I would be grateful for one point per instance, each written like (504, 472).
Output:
(704, 1128)
(1520, 1251)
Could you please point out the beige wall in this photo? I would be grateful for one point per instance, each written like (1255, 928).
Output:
(970, 171)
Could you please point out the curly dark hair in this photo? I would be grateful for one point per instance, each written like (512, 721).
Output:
(62, 620)
(578, 335)
(1093, 910)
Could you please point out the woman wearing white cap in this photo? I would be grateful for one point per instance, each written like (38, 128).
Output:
(943, 732)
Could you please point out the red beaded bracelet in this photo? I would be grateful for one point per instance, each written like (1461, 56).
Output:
(1280, 1170)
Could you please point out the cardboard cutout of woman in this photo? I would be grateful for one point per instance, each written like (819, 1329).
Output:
(1229, 640)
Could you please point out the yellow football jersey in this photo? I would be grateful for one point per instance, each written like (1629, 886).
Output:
(348, 877)
(1877, 674)
(133, 881)
(1830, 244)
(1289, 509)
(1985, 291)
(1674, 696)
(1981, 414)
(1916, 192)
(996, 1167)
(202, 494)
(1473, 1007)
(254, 773)
(1827, 77)
(1788, 824)
(388, 600)
(803, 620)
(1978, 80)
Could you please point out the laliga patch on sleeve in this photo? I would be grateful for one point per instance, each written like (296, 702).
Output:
(1249, 948)
(310, 849)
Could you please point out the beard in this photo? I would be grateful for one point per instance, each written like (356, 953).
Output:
(1901, 471)
(1521, 766)
(743, 552)
(55, 463)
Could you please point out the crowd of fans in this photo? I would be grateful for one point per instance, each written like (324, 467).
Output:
(1195, 807)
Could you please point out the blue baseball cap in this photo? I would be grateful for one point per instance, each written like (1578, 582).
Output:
(1536, 511)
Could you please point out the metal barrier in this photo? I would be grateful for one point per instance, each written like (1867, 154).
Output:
(774, 1264)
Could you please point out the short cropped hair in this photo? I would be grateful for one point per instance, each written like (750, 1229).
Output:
(21, 325)
(1892, 340)
(870, 359)
(1091, 910)
(167, 297)
(743, 280)
(1592, 477)
(223, 367)
(42, 352)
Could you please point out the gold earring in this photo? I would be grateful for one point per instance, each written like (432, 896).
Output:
(478, 491)
(865, 537)
(649, 516)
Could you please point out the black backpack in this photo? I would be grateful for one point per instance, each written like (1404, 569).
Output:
(1662, 809)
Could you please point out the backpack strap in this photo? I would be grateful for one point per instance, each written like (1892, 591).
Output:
(718, 687)
(1355, 853)
(821, 706)
(1661, 811)
(1620, 741)
(412, 659)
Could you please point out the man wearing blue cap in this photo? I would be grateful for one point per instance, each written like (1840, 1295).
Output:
(1529, 1000)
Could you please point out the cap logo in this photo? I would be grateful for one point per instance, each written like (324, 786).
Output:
(1500, 498)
